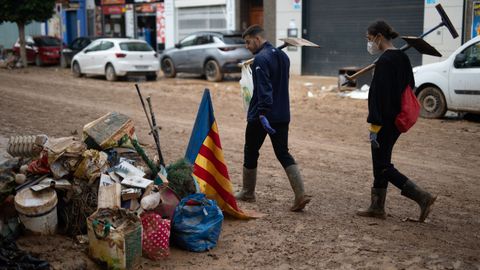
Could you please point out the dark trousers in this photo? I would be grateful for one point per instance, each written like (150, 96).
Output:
(255, 136)
(383, 169)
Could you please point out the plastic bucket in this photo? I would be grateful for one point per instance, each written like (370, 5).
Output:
(37, 210)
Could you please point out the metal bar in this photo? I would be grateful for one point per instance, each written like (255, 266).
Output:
(155, 132)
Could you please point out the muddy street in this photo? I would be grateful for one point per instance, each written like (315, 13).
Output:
(329, 140)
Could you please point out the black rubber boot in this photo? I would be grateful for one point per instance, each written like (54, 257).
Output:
(424, 199)
(377, 206)
(296, 181)
(247, 193)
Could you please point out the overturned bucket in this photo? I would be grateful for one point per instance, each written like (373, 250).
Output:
(37, 210)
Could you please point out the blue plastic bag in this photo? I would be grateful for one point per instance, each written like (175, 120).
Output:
(197, 223)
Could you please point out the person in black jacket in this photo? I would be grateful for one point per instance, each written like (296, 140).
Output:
(269, 113)
(392, 75)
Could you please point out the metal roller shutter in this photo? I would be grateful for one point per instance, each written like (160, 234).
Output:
(207, 18)
(339, 26)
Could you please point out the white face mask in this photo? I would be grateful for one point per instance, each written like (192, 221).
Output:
(372, 48)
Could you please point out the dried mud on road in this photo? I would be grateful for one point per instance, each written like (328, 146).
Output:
(328, 138)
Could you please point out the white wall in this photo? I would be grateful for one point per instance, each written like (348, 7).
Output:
(441, 38)
(285, 13)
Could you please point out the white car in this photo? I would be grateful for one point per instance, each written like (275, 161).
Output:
(453, 84)
(115, 57)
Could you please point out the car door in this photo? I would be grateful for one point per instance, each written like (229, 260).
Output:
(464, 79)
(196, 54)
(101, 57)
(86, 57)
(181, 56)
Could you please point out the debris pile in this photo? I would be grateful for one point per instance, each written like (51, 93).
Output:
(103, 185)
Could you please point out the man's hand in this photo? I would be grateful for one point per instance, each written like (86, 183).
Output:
(266, 125)
(374, 129)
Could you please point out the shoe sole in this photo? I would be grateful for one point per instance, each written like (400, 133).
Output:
(301, 205)
(371, 215)
(428, 209)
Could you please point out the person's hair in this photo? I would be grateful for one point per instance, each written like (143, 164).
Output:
(381, 27)
(254, 30)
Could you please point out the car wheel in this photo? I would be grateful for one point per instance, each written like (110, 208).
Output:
(212, 71)
(38, 61)
(63, 62)
(168, 68)
(77, 72)
(433, 102)
(152, 77)
(110, 73)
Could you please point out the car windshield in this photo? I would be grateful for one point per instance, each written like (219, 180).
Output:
(135, 47)
(47, 41)
(233, 40)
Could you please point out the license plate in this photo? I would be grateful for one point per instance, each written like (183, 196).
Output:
(141, 67)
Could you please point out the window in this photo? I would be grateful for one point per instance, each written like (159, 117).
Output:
(205, 39)
(47, 41)
(95, 46)
(472, 56)
(106, 45)
(85, 42)
(135, 47)
(233, 39)
(188, 41)
(76, 44)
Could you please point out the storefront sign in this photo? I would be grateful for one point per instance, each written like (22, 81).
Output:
(108, 10)
(476, 19)
(160, 23)
(113, 2)
(145, 8)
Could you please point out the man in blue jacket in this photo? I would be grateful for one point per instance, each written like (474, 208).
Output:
(269, 113)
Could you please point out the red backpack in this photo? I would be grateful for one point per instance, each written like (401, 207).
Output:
(410, 109)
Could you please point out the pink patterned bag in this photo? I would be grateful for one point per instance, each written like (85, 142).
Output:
(156, 236)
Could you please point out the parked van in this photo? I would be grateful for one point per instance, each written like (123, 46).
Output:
(453, 84)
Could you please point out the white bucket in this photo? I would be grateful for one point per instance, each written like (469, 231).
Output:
(37, 210)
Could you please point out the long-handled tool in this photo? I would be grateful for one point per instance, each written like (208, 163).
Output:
(297, 42)
(417, 42)
(152, 128)
(155, 132)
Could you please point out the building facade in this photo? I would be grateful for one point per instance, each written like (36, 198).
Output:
(337, 26)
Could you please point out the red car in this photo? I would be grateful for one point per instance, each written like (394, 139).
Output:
(40, 49)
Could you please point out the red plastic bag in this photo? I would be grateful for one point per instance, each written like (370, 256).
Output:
(409, 112)
(156, 236)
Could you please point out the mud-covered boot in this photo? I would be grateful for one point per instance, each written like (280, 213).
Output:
(377, 206)
(424, 199)
(296, 181)
(247, 193)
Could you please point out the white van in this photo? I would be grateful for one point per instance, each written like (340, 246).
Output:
(453, 84)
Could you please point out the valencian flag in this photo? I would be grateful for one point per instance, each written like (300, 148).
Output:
(209, 168)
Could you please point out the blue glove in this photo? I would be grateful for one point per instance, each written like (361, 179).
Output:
(266, 125)
(373, 140)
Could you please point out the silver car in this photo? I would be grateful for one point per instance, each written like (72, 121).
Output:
(208, 53)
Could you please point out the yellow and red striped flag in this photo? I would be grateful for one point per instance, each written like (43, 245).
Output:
(205, 152)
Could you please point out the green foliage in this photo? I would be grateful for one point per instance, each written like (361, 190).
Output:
(180, 178)
(26, 11)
